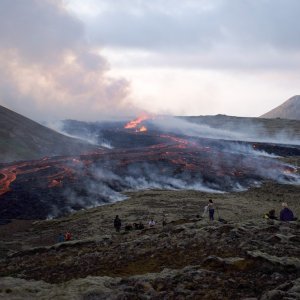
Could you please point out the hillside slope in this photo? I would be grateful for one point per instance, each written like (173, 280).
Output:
(24, 139)
(290, 109)
(189, 258)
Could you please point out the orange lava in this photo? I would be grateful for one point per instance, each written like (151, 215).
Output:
(9, 175)
(54, 183)
(143, 129)
(137, 123)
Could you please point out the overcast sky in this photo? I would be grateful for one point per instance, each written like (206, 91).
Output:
(95, 59)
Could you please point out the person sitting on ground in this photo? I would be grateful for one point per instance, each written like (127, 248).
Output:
(286, 214)
(271, 215)
(141, 226)
(128, 227)
(138, 226)
(211, 209)
(151, 223)
(117, 223)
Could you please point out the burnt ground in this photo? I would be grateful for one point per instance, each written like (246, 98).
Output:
(189, 258)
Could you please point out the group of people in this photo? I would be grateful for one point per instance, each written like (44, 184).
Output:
(286, 214)
(136, 226)
(64, 237)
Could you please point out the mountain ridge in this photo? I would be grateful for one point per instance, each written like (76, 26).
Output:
(24, 139)
(290, 109)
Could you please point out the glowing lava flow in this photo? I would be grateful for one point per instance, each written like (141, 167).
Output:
(136, 124)
(143, 128)
(9, 175)
(57, 185)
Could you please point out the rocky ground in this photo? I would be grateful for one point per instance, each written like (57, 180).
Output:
(243, 257)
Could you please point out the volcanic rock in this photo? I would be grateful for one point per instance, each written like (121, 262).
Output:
(289, 290)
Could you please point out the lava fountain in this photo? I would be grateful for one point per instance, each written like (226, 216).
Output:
(137, 123)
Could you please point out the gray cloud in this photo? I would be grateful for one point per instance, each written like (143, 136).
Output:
(265, 23)
(49, 70)
(38, 30)
(51, 66)
(154, 29)
(220, 33)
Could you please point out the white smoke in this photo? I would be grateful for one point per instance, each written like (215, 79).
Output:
(249, 133)
(230, 166)
(89, 137)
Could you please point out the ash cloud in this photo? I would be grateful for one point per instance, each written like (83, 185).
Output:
(48, 68)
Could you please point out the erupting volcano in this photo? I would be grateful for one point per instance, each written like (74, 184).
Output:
(150, 159)
(137, 124)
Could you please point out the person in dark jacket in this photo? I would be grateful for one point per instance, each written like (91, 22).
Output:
(117, 223)
(286, 214)
(211, 209)
(61, 238)
(271, 215)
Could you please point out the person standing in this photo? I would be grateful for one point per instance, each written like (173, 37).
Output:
(211, 209)
(117, 223)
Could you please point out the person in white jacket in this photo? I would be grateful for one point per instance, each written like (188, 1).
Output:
(151, 223)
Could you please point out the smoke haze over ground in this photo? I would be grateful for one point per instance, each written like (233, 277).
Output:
(244, 130)
(177, 154)
(138, 160)
(215, 127)
(210, 55)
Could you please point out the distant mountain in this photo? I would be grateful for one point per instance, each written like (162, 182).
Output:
(290, 109)
(24, 139)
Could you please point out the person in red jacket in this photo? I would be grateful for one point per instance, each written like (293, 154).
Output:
(68, 236)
